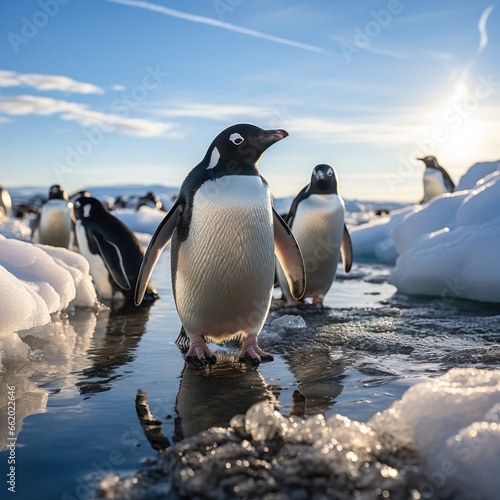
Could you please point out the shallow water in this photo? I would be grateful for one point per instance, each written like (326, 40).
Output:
(76, 392)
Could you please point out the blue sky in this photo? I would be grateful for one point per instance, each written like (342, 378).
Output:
(96, 92)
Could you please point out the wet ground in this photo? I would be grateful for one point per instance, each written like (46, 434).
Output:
(76, 411)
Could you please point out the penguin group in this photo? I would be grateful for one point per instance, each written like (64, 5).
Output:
(228, 243)
(229, 246)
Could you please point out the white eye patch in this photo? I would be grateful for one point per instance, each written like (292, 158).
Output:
(236, 138)
(86, 210)
(330, 172)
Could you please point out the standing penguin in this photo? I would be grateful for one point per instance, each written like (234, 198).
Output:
(54, 224)
(316, 218)
(436, 179)
(225, 232)
(112, 249)
(5, 203)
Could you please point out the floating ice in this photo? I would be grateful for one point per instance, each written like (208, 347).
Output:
(441, 440)
(37, 281)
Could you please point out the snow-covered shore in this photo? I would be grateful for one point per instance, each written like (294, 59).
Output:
(446, 248)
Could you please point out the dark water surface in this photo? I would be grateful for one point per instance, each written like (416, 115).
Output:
(76, 392)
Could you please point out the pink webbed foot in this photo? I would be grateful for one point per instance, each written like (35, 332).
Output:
(199, 354)
(250, 351)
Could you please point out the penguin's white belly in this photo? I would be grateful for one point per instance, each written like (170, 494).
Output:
(98, 271)
(55, 224)
(225, 268)
(318, 227)
(433, 184)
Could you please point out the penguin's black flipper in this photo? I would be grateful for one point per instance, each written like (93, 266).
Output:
(293, 207)
(448, 182)
(290, 257)
(113, 260)
(158, 242)
(346, 250)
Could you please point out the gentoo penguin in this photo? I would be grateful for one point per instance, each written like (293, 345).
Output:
(436, 179)
(54, 224)
(113, 251)
(5, 203)
(225, 232)
(316, 218)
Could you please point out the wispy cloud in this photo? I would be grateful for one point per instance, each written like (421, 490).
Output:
(73, 111)
(385, 52)
(219, 24)
(218, 112)
(481, 26)
(47, 82)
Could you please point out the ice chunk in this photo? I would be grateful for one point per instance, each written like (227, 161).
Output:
(289, 321)
(263, 422)
(37, 281)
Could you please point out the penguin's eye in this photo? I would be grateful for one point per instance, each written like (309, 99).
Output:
(330, 172)
(236, 138)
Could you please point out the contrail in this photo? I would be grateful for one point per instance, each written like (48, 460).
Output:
(219, 24)
(481, 26)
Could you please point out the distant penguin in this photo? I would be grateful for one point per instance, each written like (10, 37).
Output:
(316, 218)
(113, 251)
(225, 232)
(151, 200)
(5, 203)
(436, 179)
(54, 224)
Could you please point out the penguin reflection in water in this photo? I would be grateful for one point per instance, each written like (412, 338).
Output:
(225, 232)
(112, 250)
(54, 224)
(316, 218)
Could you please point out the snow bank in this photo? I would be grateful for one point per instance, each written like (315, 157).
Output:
(456, 431)
(441, 440)
(476, 173)
(460, 259)
(447, 247)
(37, 281)
(144, 220)
(373, 240)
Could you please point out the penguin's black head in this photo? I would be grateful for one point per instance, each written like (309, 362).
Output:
(240, 145)
(323, 179)
(57, 192)
(88, 207)
(430, 161)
